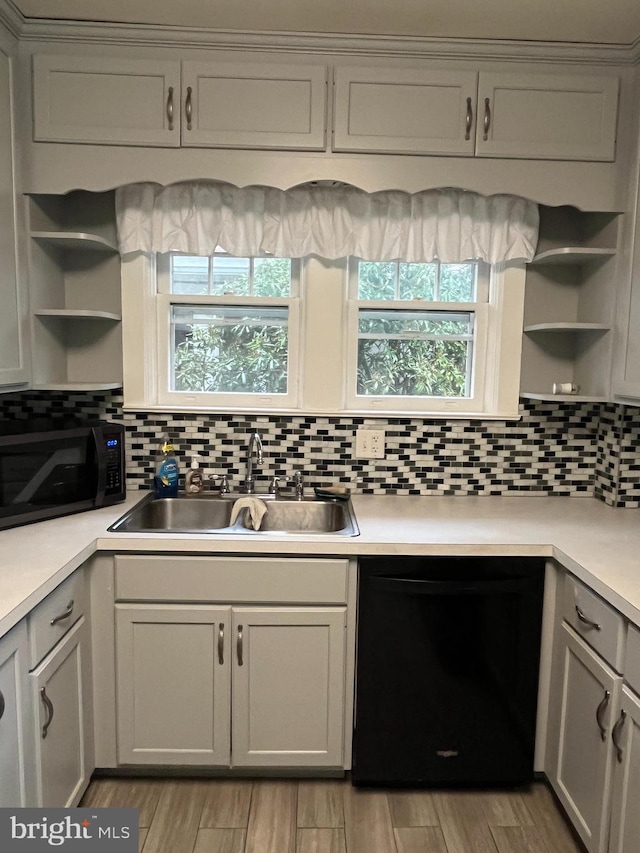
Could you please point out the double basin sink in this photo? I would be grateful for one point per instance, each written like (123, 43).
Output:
(212, 514)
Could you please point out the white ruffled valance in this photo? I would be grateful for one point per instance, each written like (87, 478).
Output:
(449, 225)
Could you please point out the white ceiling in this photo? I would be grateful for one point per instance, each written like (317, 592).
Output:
(606, 22)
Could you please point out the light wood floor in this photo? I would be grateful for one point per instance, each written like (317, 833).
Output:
(318, 816)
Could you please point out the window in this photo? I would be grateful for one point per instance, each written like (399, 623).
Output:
(417, 334)
(226, 334)
(232, 329)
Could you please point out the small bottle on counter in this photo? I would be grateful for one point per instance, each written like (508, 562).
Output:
(165, 481)
(193, 482)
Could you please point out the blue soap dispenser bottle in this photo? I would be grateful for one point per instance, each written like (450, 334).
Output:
(167, 471)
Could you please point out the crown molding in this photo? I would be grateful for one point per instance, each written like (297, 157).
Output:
(36, 30)
(11, 17)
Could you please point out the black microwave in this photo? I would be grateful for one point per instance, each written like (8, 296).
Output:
(57, 472)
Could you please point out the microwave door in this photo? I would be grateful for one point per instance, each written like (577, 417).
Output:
(60, 479)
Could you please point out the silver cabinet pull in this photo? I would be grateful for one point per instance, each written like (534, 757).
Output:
(170, 107)
(602, 707)
(49, 706)
(586, 621)
(2, 704)
(64, 615)
(615, 732)
(469, 122)
(239, 645)
(188, 108)
(487, 118)
(221, 644)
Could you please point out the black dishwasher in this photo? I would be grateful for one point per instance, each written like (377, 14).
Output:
(447, 670)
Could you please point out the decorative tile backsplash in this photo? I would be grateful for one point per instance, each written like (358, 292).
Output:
(572, 449)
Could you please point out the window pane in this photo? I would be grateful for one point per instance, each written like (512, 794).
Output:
(272, 277)
(377, 280)
(402, 353)
(458, 282)
(189, 274)
(230, 275)
(230, 349)
(418, 281)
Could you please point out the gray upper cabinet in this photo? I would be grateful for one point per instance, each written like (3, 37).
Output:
(404, 110)
(449, 112)
(13, 367)
(106, 100)
(112, 101)
(547, 116)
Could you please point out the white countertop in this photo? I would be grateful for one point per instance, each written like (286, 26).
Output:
(599, 544)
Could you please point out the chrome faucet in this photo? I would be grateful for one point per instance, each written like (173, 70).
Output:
(298, 484)
(255, 442)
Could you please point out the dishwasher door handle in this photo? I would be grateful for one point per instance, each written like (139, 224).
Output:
(424, 586)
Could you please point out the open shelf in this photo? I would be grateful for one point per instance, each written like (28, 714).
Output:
(76, 240)
(563, 398)
(566, 327)
(572, 255)
(77, 313)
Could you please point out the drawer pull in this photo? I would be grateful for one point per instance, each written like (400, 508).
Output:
(602, 707)
(239, 646)
(615, 733)
(487, 118)
(64, 615)
(188, 108)
(2, 704)
(170, 108)
(586, 621)
(49, 706)
(221, 644)
(469, 121)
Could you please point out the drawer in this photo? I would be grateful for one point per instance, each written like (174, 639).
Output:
(279, 580)
(596, 621)
(632, 659)
(52, 618)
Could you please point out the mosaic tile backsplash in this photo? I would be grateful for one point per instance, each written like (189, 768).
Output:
(571, 449)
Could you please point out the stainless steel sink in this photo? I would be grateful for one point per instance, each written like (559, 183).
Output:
(209, 514)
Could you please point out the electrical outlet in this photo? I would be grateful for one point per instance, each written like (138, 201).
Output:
(370, 444)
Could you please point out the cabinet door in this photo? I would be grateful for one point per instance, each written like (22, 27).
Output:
(61, 695)
(13, 369)
(173, 684)
(547, 117)
(404, 110)
(625, 815)
(288, 686)
(14, 719)
(590, 700)
(253, 105)
(109, 101)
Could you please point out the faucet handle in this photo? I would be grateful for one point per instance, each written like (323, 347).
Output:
(224, 482)
(276, 484)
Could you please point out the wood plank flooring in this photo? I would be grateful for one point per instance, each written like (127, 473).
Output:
(330, 816)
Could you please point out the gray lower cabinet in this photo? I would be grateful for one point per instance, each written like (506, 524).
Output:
(61, 696)
(15, 715)
(625, 815)
(223, 686)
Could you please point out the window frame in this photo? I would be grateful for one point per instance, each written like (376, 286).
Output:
(319, 373)
(165, 300)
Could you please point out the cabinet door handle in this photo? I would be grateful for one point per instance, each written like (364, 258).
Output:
(2, 704)
(49, 706)
(487, 118)
(170, 107)
(64, 615)
(188, 108)
(221, 643)
(615, 732)
(469, 121)
(239, 643)
(602, 707)
(586, 621)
